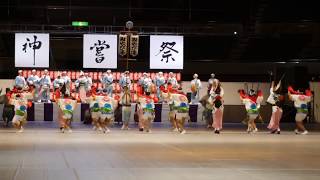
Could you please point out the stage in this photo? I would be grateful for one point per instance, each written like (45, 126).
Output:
(42, 153)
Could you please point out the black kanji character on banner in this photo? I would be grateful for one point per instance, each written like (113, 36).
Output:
(34, 45)
(166, 54)
(100, 46)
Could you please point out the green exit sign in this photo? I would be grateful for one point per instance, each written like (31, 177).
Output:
(80, 23)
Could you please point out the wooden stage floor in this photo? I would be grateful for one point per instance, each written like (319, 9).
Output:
(45, 154)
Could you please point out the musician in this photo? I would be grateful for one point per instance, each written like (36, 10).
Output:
(146, 83)
(195, 89)
(107, 80)
(172, 81)
(211, 81)
(81, 84)
(159, 81)
(125, 81)
(58, 84)
(89, 82)
(33, 82)
(45, 83)
(67, 83)
(20, 82)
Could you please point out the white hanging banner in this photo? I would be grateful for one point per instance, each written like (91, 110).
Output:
(166, 52)
(31, 50)
(99, 51)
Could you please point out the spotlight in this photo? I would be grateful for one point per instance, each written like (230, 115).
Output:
(235, 33)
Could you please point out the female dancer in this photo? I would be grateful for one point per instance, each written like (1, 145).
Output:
(216, 94)
(274, 99)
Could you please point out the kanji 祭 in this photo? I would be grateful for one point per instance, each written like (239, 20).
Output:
(166, 49)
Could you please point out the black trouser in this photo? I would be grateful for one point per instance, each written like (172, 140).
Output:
(8, 113)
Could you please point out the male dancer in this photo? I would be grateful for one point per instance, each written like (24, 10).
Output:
(301, 101)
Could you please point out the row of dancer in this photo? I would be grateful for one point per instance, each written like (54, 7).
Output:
(251, 99)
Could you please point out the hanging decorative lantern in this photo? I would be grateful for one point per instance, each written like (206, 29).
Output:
(134, 45)
(123, 42)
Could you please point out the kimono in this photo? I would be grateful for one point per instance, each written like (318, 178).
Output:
(300, 103)
(217, 107)
(45, 83)
(82, 84)
(34, 82)
(273, 99)
(20, 110)
(159, 81)
(195, 89)
(20, 82)
(107, 81)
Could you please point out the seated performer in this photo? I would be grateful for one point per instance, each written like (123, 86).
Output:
(20, 107)
(216, 94)
(274, 100)
(107, 81)
(20, 82)
(160, 81)
(179, 109)
(252, 103)
(81, 84)
(301, 101)
(45, 83)
(67, 84)
(33, 83)
(66, 108)
(125, 103)
(146, 106)
(195, 89)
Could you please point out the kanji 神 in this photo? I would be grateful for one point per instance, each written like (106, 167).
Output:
(33, 45)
